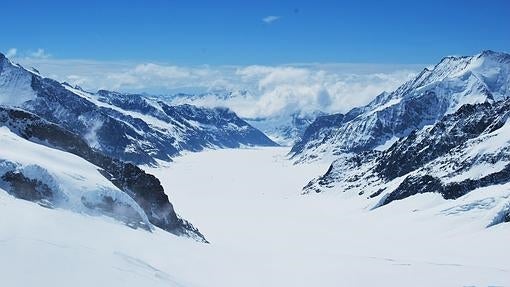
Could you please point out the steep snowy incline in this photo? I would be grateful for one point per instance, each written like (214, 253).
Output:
(144, 188)
(15, 84)
(62, 180)
(453, 82)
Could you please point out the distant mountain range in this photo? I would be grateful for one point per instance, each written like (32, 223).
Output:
(284, 129)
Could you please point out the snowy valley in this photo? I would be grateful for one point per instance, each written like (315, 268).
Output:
(261, 234)
(114, 189)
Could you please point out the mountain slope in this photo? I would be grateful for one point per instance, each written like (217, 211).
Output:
(464, 156)
(133, 182)
(453, 82)
(58, 179)
(128, 127)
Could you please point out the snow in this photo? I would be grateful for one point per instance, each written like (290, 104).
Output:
(178, 129)
(493, 145)
(478, 171)
(250, 209)
(384, 106)
(492, 142)
(262, 233)
(387, 144)
(45, 247)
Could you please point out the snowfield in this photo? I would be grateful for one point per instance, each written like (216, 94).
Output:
(247, 203)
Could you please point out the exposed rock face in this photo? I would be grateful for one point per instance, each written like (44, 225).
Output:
(445, 133)
(470, 121)
(26, 188)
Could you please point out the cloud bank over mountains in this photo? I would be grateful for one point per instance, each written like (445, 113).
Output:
(258, 90)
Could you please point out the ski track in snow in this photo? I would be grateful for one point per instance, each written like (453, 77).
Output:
(247, 202)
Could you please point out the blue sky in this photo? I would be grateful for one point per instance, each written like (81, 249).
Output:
(235, 33)
(289, 55)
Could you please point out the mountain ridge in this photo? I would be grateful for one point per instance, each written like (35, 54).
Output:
(145, 189)
(422, 101)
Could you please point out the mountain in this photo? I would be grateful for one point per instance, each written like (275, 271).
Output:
(28, 171)
(464, 152)
(45, 163)
(422, 101)
(103, 135)
(129, 127)
(285, 128)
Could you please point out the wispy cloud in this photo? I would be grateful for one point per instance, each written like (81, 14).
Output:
(258, 90)
(39, 54)
(11, 53)
(270, 19)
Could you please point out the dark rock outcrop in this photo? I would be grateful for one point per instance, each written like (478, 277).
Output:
(26, 188)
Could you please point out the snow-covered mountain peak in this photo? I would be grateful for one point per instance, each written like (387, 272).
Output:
(495, 55)
(486, 63)
(443, 89)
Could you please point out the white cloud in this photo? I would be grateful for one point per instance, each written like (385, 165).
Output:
(39, 54)
(290, 89)
(11, 53)
(259, 91)
(155, 76)
(270, 19)
(77, 80)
